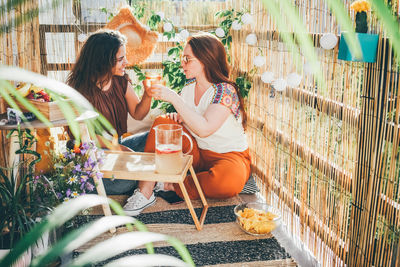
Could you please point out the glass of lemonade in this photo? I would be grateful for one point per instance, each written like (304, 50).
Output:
(169, 148)
(154, 77)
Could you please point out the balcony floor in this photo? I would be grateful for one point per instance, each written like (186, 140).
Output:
(220, 243)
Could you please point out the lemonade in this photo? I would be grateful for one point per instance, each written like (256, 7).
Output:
(168, 159)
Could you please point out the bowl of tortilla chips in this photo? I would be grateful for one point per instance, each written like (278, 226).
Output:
(256, 218)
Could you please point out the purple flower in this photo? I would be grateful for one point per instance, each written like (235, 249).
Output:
(68, 193)
(99, 175)
(84, 178)
(59, 195)
(89, 186)
(77, 168)
(88, 163)
(85, 147)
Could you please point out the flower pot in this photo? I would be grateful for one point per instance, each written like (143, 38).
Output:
(368, 43)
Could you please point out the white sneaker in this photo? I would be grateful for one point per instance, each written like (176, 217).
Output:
(138, 202)
(159, 187)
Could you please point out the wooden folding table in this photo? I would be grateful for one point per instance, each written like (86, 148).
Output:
(141, 166)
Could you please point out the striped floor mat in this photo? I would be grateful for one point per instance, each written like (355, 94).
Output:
(220, 243)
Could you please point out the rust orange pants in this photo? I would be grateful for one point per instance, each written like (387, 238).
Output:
(221, 175)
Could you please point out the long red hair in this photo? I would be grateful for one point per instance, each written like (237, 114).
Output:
(209, 50)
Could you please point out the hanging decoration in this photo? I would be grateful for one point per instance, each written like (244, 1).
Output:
(167, 27)
(328, 41)
(184, 34)
(279, 85)
(259, 61)
(251, 39)
(220, 32)
(236, 25)
(247, 18)
(293, 79)
(267, 77)
(161, 15)
(82, 37)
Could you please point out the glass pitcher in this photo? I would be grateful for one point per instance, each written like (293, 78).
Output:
(169, 148)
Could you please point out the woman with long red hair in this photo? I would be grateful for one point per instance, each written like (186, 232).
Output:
(210, 108)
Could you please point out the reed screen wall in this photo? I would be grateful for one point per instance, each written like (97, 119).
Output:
(327, 157)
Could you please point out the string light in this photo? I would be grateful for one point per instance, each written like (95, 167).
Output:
(220, 32)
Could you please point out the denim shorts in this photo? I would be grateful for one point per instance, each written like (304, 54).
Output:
(120, 186)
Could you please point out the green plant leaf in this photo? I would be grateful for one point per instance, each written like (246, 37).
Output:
(107, 249)
(144, 260)
(390, 23)
(79, 237)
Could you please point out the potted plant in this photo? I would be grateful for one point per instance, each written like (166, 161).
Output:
(368, 42)
(103, 250)
(19, 209)
(71, 172)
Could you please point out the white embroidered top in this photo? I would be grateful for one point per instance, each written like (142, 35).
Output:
(230, 136)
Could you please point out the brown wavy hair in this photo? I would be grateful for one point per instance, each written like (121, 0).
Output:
(209, 50)
(95, 61)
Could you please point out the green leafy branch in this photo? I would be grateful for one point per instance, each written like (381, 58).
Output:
(229, 17)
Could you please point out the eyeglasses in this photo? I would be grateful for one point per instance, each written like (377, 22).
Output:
(186, 59)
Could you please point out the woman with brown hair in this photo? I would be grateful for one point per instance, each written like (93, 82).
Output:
(99, 75)
(210, 108)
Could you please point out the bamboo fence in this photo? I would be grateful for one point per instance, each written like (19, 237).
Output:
(327, 157)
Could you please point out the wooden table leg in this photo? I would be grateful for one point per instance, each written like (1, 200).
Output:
(199, 225)
(201, 194)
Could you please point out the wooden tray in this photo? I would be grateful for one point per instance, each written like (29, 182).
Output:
(49, 109)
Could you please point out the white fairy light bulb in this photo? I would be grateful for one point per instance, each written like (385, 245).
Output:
(167, 27)
(293, 79)
(328, 41)
(220, 32)
(279, 85)
(251, 39)
(161, 14)
(236, 25)
(82, 37)
(184, 34)
(259, 61)
(267, 77)
(247, 18)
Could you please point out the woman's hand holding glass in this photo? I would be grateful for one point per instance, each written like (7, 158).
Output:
(152, 78)
(160, 92)
(175, 116)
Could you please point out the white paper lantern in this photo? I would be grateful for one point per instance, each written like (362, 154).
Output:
(251, 39)
(247, 18)
(184, 34)
(259, 61)
(161, 14)
(293, 79)
(236, 25)
(328, 41)
(267, 77)
(167, 27)
(220, 32)
(279, 85)
(82, 37)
